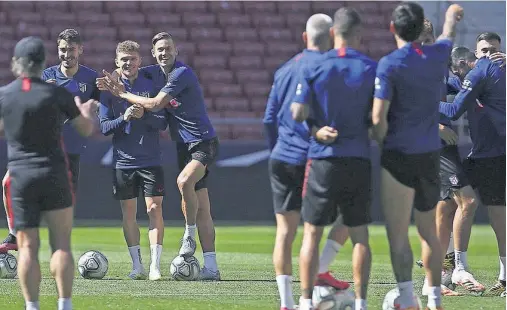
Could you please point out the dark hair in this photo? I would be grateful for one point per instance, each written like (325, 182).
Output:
(69, 36)
(460, 55)
(408, 21)
(488, 36)
(160, 36)
(346, 20)
(428, 27)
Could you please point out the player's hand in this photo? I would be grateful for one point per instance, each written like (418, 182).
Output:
(137, 111)
(455, 13)
(51, 81)
(326, 135)
(448, 135)
(87, 109)
(114, 86)
(498, 57)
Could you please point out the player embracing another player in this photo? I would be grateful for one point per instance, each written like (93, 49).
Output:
(137, 158)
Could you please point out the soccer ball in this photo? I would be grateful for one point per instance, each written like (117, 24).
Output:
(328, 298)
(388, 303)
(8, 266)
(185, 268)
(93, 265)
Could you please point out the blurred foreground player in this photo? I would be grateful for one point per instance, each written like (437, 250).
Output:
(336, 91)
(33, 113)
(137, 158)
(79, 81)
(289, 142)
(408, 89)
(482, 96)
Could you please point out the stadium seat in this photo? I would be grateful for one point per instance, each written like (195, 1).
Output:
(156, 18)
(102, 32)
(122, 19)
(268, 20)
(216, 75)
(187, 59)
(17, 6)
(3, 18)
(156, 6)
(234, 20)
(244, 34)
(7, 32)
(201, 34)
(286, 49)
(86, 6)
(55, 7)
(259, 6)
(225, 6)
(272, 35)
(24, 30)
(125, 7)
(212, 48)
(252, 75)
(239, 114)
(224, 104)
(190, 6)
(257, 89)
(285, 7)
(178, 34)
(215, 61)
(217, 89)
(247, 131)
(141, 35)
(92, 18)
(327, 7)
(365, 8)
(7, 44)
(57, 28)
(105, 48)
(27, 17)
(208, 101)
(258, 104)
(297, 21)
(187, 48)
(387, 7)
(67, 19)
(199, 19)
(223, 131)
(244, 48)
(274, 62)
(245, 62)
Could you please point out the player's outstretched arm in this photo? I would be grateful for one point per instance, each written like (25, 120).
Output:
(453, 16)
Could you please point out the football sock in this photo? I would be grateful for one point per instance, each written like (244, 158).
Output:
(156, 252)
(406, 294)
(331, 248)
(450, 249)
(64, 304)
(135, 254)
(284, 283)
(305, 304)
(461, 260)
(189, 231)
(434, 297)
(32, 305)
(360, 304)
(501, 276)
(210, 261)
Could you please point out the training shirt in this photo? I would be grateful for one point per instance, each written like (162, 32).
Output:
(136, 142)
(33, 113)
(339, 90)
(82, 84)
(288, 139)
(411, 79)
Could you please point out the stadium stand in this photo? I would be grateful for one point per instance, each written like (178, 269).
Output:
(233, 46)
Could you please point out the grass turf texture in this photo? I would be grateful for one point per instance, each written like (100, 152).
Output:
(244, 257)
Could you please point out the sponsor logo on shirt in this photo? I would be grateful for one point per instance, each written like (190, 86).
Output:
(377, 83)
(174, 103)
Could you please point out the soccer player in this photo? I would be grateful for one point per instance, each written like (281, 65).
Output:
(137, 158)
(79, 81)
(182, 96)
(456, 197)
(337, 92)
(488, 44)
(289, 143)
(483, 96)
(33, 113)
(405, 117)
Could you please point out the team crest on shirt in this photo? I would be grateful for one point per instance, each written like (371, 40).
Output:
(467, 85)
(454, 180)
(299, 89)
(174, 103)
(82, 87)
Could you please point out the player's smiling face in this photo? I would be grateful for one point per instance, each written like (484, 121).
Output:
(486, 48)
(68, 53)
(165, 52)
(128, 63)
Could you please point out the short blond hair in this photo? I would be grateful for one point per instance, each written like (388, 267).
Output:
(128, 47)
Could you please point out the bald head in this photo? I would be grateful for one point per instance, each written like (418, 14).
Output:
(346, 23)
(317, 31)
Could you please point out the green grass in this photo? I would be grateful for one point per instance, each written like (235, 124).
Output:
(244, 257)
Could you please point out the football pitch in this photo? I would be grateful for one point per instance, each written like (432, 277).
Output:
(244, 258)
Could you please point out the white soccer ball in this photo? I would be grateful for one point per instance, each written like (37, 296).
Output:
(329, 298)
(8, 266)
(388, 303)
(185, 268)
(93, 265)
